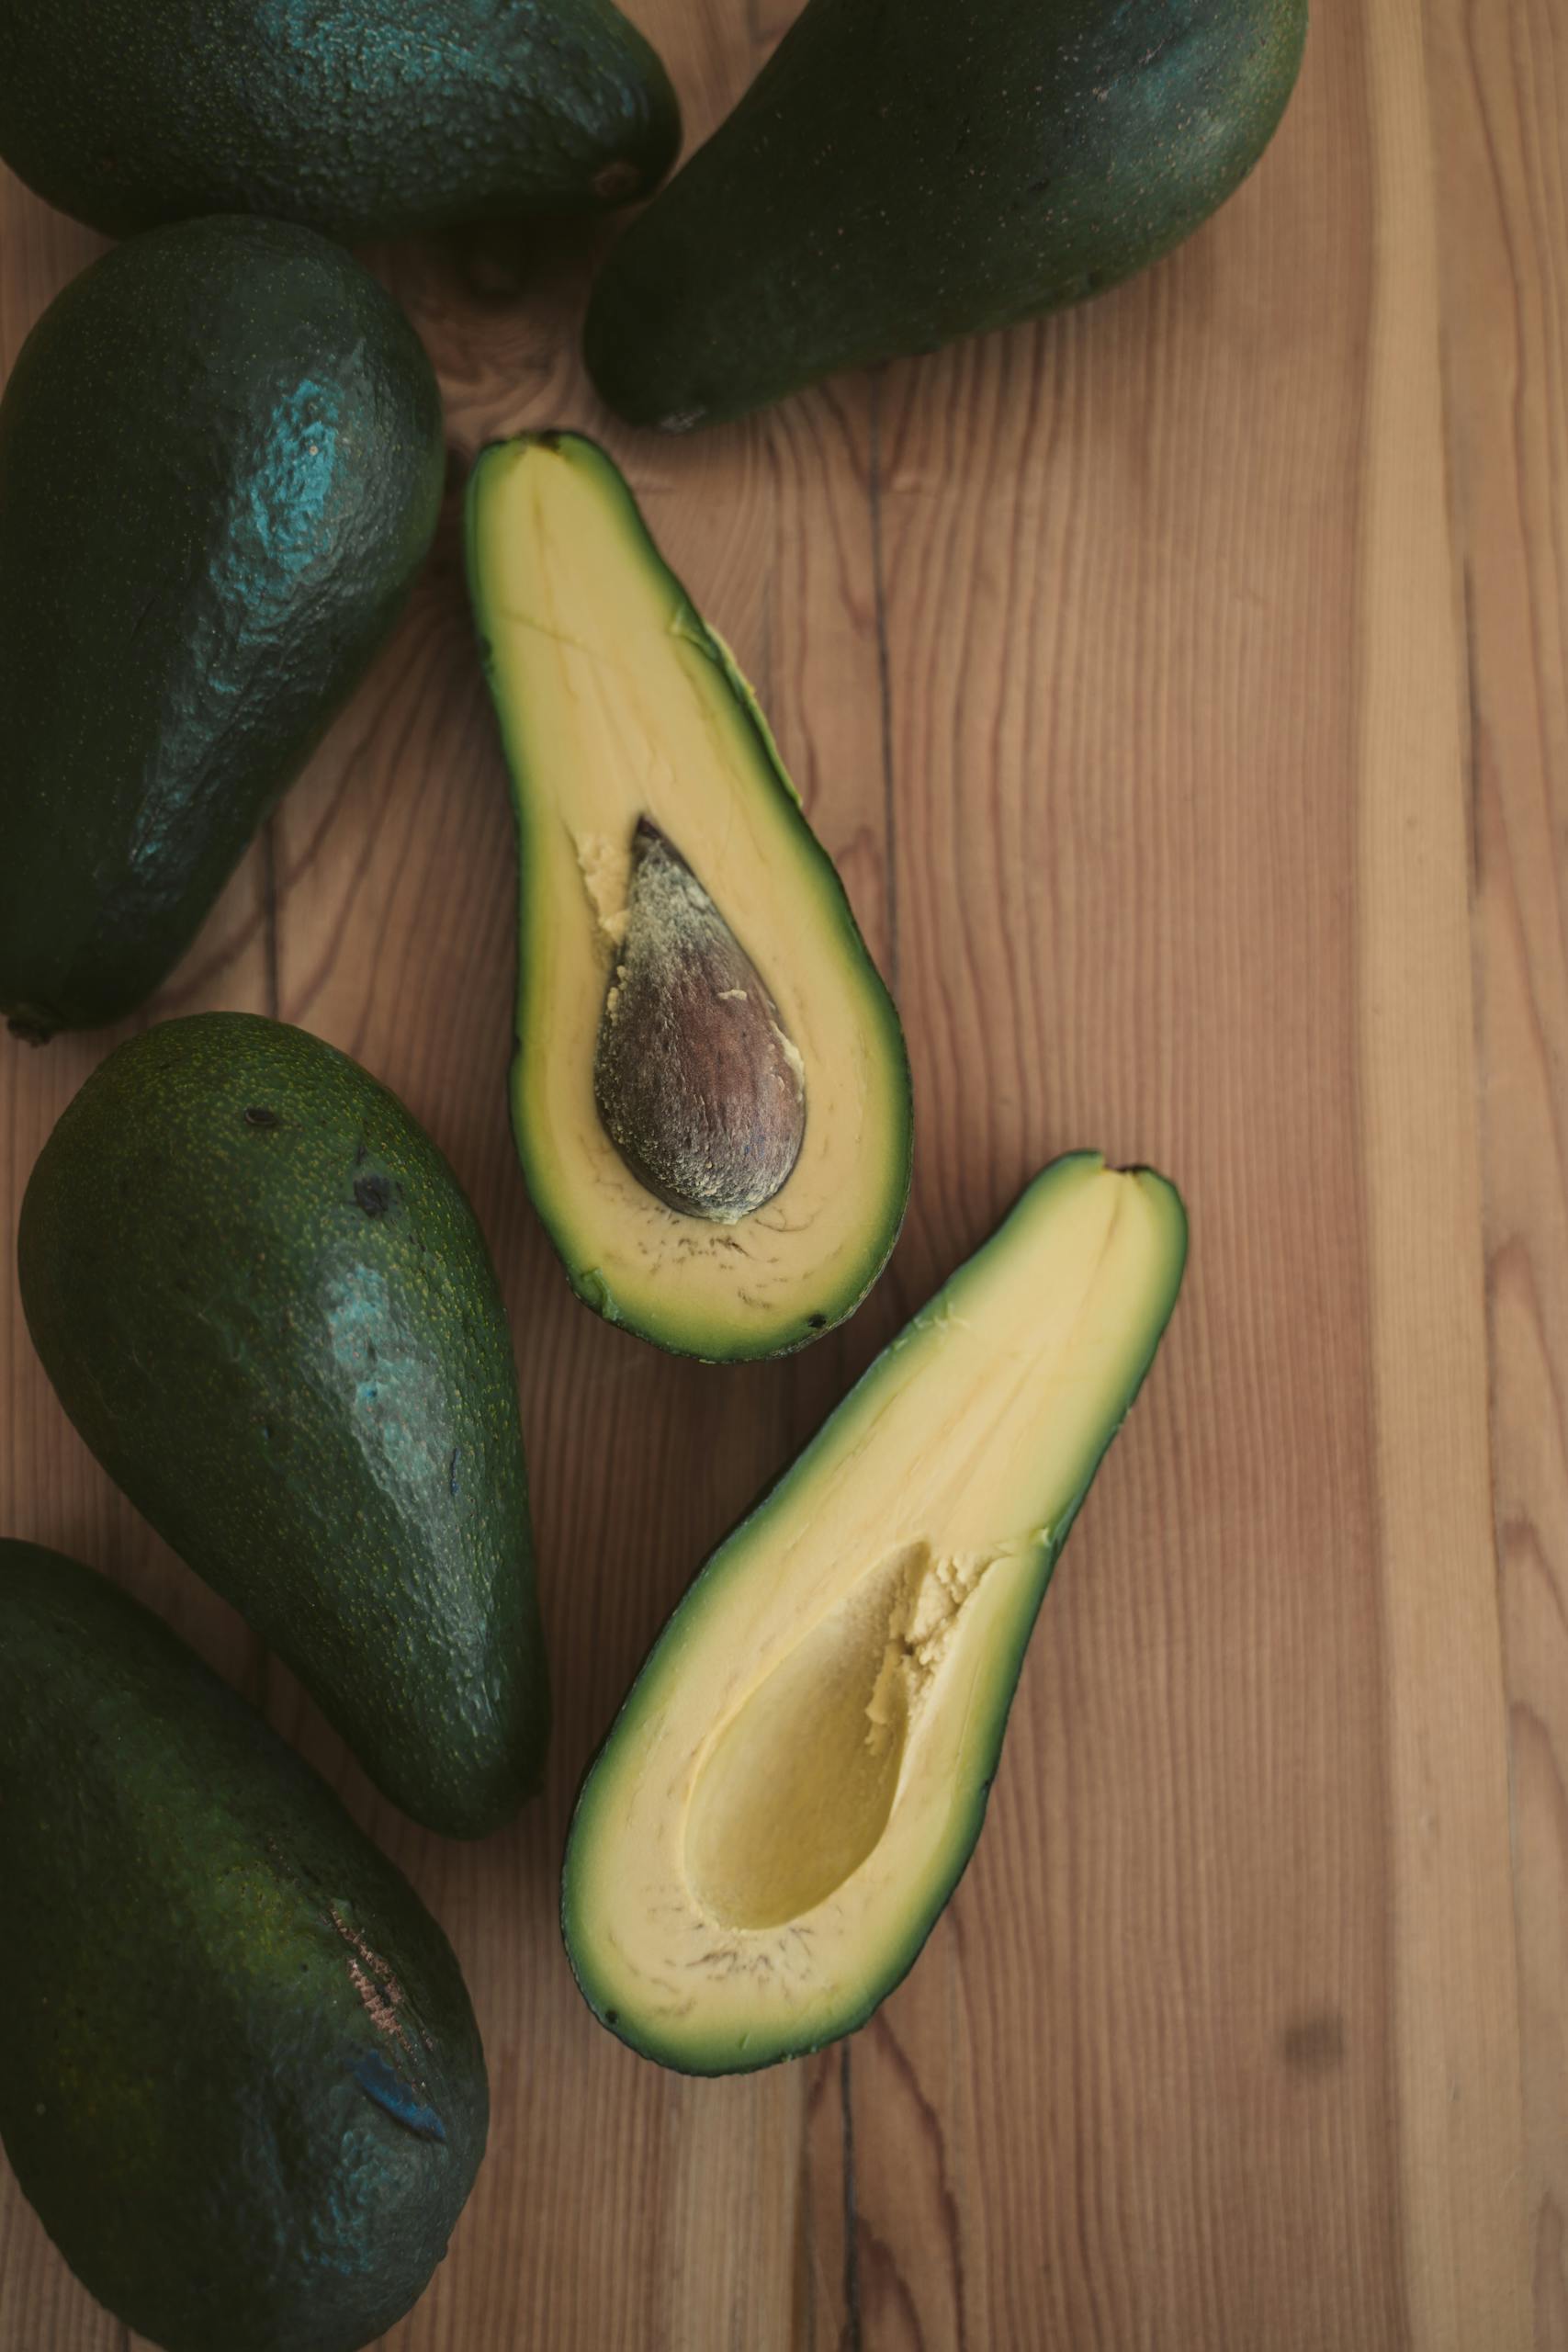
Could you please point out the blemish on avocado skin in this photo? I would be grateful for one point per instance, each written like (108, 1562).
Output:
(377, 2080)
(373, 1194)
(452, 1473)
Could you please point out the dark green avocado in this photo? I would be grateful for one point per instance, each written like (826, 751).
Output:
(268, 1308)
(221, 462)
(367, 119)
(900, 176)
(240, 2076)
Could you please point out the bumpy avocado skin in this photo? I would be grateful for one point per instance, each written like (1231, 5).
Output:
(239, 2077)
(265, 1302)
(221, 463)
(899, 175)
(367, 119)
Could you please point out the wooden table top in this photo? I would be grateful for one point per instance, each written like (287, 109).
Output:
(1180, 686)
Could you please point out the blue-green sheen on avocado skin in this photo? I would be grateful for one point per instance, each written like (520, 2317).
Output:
(221, 464)
(369, 118)
(240, 2076)
(899, 177)
(267, 1306)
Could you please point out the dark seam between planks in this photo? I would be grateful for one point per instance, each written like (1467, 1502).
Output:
(1473, 734)
(853, 2341)
(852, 2336)
(884, 674)
(269, 915)
(1392, 2155)
(257, 1678)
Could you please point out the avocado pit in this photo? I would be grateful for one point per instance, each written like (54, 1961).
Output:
(696, 1082)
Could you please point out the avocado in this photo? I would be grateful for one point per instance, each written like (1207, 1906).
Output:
(367, 119)
(267, 1306)
(239, 2077)
(898, 177)
(711, 1093)
(222, 462)
(792, 1788)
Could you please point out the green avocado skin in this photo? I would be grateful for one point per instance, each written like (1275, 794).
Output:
(239, 2079)
(366, 119)
(905, 172)
(265, 1302)
(221, 463)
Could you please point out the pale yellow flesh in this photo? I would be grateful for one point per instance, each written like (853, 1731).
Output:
(807, 1744)
(618, 717)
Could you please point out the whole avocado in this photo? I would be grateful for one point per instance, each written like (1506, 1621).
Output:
(899, 175)
(240, 2075)
(367, 119)
(221, 463)
(265, 1302)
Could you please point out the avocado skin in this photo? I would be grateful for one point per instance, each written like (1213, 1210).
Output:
(221, 464)
(374, 119)
(241, 2079)
(263, 1300)
(899, 175)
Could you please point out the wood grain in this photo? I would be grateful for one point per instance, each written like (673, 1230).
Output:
(1180, 686)
(1500, 87)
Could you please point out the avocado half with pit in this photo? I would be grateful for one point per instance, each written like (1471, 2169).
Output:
(711, 1093)
(799, 1775)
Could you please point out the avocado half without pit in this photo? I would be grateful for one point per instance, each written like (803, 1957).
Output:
(711, 1093)
(799, 1775)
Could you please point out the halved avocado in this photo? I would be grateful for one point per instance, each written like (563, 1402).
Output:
(648, 793)
(794, 1786)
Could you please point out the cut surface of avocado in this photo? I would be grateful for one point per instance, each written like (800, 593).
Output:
(623, 716)
(800, 1772)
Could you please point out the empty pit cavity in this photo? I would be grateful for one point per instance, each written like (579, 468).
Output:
(796, 1790)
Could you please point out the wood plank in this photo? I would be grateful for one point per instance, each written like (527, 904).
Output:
(1500, 97)
(1455, 2015)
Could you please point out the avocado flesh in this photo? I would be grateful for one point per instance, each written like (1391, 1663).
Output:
(240, 2076)
(799, 1774)
(221, 463)
(369, 118)
(897, 178)
(266, 1305)
(617, 704)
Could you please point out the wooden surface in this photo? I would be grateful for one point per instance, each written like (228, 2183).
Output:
(1181, 685)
